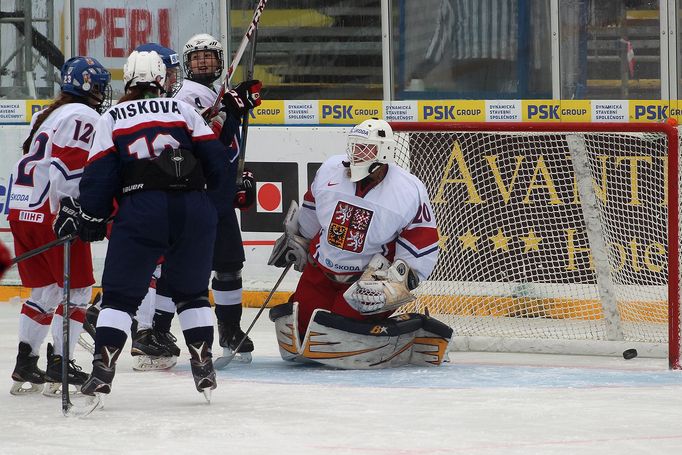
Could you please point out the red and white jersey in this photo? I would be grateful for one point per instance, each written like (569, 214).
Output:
(347, 228)
(54, 165)
(198, 95)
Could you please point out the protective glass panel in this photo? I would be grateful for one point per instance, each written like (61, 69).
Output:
(473, 49)
(610, 49)
(315, 50)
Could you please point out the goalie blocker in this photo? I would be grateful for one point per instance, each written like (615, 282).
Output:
(345, 343)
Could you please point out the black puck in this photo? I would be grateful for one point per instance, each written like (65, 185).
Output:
(629, 354)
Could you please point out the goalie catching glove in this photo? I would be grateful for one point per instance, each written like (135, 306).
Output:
(290, 247)
(382, 287)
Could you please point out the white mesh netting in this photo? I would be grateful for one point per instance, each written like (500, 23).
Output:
(518, 258)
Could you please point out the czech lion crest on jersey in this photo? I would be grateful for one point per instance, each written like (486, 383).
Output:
(349, 226)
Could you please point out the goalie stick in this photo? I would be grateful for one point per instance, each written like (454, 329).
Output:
(213, 111)
(222, 362)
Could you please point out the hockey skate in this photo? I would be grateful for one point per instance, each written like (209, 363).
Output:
(26, 372)
(53, 374)
(202, 368)
(151, 353)
(168, 340)
(230, 335)
(87, 337)
(103, 371)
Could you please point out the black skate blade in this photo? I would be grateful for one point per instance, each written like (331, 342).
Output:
(84, 406)
(229, 356)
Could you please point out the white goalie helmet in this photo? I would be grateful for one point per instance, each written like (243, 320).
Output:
(369, 142)
(203, 42)
(144, 69)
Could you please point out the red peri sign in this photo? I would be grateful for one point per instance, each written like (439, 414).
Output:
(123, 29)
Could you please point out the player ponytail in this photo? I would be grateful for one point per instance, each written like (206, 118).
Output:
(62, 99)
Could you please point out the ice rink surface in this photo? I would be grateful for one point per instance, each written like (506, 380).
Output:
(477, 404)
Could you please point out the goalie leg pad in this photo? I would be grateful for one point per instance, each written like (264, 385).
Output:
(431, 342)
(285, 317)
(344, 343)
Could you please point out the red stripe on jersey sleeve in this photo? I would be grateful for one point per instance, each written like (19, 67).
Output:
(421, 237)
(205, 137)
(101, 154)
(74, 158)
(308, 197)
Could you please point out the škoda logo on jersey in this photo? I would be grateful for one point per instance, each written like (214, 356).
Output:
(348, 228)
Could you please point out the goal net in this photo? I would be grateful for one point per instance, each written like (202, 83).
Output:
(554, 237)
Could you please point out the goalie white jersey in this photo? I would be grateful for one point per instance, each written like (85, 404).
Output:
(347, 228)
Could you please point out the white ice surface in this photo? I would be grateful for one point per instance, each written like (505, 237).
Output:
(477, 404)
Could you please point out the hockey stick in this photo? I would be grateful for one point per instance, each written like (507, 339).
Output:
(66, 315)
(247, 115)
(222, 362)
(213, 111)
(91, 403)
(42, 249)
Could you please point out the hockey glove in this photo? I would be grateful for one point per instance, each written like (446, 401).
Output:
(5, 259)
(246, 192)
(68, 218)
(244, 97)
(290, 248)
(217, 122)
(92, 228)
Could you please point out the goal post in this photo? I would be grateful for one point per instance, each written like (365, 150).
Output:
(555, 237)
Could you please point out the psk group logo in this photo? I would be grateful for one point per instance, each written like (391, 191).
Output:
(541, 111)
(452, 111)
(276, 187)
(649, 111)
(348, 113)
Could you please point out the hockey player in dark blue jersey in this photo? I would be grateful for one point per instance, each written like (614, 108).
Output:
(157, 157)
(203, 61)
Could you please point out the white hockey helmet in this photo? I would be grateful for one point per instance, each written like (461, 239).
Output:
(144, 69)
(369, 142)
(203, 42)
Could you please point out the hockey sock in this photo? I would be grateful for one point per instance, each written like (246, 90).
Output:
(196, 320)
(145, 312)
(228, 314)
(163, 315)
(34, 323)
(75, 328)
(113, 328)
(227, 293)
